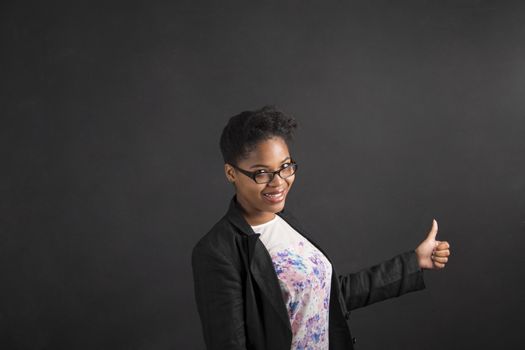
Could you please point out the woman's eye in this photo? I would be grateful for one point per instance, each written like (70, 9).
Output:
(263, 171)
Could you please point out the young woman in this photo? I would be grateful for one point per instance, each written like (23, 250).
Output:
(260, 281)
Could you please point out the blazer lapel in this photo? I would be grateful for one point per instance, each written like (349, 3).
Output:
(264, 275)
(261, 266)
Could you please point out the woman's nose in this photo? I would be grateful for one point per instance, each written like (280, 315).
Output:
(276, 181)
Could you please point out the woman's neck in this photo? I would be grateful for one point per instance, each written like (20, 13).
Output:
(259, 219)
(253, 216)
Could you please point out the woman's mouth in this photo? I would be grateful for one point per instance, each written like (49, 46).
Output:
(275, 197)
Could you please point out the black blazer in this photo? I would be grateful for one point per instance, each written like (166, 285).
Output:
(240, 302)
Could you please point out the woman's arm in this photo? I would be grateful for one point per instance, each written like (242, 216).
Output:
(397, 276)
(218, 292)
(392, 278)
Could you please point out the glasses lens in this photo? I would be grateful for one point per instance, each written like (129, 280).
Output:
(263, 178)
(288, 171)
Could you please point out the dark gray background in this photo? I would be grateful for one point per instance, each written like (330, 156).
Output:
(110, 119)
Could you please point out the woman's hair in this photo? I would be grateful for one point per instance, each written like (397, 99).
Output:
(245, 130)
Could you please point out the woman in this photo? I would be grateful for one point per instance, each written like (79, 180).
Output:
(260, 281)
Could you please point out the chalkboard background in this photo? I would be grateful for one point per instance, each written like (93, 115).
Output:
(111, 171)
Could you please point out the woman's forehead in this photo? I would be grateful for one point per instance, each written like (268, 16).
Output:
(268, 152)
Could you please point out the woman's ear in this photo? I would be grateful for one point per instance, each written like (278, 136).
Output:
(229, 171)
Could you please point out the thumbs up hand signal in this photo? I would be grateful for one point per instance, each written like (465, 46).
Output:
(433, 254)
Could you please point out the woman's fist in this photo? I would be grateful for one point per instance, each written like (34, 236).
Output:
(433, 254)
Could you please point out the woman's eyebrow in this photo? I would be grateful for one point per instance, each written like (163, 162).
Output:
(266, 166)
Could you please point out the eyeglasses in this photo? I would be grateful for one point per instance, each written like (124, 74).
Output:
(264, 177)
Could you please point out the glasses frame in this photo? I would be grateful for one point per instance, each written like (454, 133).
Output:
(252, 174)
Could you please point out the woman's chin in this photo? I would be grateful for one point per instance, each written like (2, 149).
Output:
(276, 207)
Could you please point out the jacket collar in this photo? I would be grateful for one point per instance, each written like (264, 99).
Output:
(235, 216)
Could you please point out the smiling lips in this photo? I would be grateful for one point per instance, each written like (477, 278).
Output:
(275, 197)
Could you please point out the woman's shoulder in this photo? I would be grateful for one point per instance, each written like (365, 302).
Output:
(221, 238)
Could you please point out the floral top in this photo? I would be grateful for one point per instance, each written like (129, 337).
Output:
(304, 277)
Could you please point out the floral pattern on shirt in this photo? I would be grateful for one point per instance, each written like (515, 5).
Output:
(305, 278)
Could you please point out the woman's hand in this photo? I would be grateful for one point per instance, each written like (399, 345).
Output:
(432, 254)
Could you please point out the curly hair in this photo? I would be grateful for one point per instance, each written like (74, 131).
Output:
(246, 129)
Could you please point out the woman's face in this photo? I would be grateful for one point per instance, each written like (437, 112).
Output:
(261, 201)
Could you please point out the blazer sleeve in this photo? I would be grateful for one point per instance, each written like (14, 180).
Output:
(391, 278)
(218, 293)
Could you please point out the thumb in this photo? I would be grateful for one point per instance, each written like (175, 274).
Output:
(433, 231)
